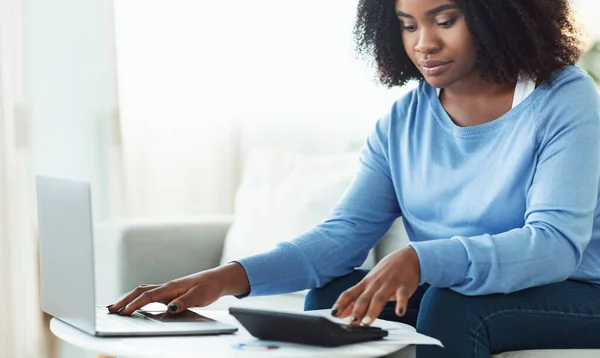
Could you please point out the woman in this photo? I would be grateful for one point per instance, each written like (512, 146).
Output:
(493, 162)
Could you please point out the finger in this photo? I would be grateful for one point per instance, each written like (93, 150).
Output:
(192, 298)
(340, 307)
(165, 292)
(361, 305)
(347, 312)
(130, 297)
(378, 301)
(402, 296)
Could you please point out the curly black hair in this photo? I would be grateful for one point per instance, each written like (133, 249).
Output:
(533, 38)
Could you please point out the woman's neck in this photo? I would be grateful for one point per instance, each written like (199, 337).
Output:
(475, 101)
(474, 88)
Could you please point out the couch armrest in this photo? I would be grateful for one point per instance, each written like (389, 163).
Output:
(133, 252)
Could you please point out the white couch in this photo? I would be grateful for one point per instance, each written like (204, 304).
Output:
(133, 252)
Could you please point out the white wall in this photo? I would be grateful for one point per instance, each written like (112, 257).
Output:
(588, 11)
(72, 90)
(71, 85)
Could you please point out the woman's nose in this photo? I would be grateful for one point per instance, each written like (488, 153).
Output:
(428, 42)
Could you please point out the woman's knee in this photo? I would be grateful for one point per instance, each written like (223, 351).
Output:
(451, 318)
(441, 309)
(324, 297)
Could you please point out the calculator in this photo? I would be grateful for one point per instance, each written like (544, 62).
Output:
(303, 329)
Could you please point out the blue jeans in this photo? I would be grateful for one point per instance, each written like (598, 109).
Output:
(557, 316)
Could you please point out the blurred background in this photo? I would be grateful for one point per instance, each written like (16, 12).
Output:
(159, 104)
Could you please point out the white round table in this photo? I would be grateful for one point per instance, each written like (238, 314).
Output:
(228, 345)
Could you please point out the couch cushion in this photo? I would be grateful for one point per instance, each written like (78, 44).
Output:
(394, 239)
(284, 194)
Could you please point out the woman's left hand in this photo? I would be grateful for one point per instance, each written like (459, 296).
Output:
(396, 277)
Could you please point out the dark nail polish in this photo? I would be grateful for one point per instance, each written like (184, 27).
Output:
(109, 306)
(173, 307)
(401, 310)
(334, 311)
(121, 310)
(353, 319)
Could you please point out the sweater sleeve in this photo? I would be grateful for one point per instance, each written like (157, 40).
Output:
(559, 216)
(342, 242)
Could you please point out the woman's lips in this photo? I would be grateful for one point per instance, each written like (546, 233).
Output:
(433, 67)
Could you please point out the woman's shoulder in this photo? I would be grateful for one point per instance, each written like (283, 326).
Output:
(397, 115)
(410, 101)
(570, 99)
(568, 83)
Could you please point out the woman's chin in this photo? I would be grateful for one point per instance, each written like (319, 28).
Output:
(435, 82)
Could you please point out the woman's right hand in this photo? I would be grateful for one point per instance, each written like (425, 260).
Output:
(197, 290)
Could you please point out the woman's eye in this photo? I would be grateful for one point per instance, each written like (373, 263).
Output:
(409, 28)
(446, 23)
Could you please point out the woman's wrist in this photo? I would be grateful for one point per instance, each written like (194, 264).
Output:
(413, 258)
(234, 278)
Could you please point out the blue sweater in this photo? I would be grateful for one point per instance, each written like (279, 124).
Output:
(492, 208)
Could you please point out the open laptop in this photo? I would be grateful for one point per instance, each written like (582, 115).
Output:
(66, 253)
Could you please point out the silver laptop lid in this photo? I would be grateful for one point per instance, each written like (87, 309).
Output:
(66, 251)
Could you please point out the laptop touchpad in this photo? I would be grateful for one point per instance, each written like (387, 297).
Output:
(185, 316)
